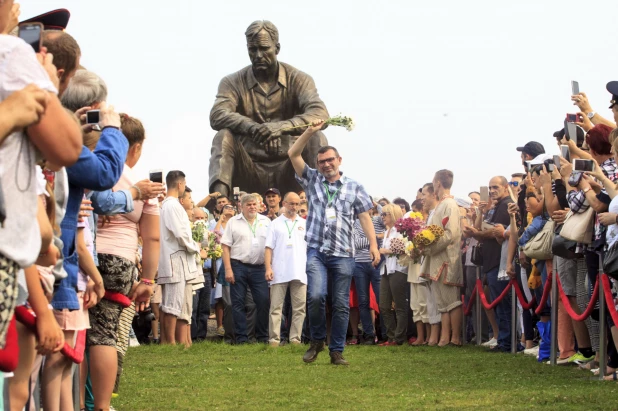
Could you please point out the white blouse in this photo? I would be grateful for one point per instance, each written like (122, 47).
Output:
(391, 264)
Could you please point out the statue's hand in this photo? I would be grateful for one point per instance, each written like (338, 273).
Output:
(263, 133)
(273, 146)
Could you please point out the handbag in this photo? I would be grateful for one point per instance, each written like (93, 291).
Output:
(477, 255)
(579, 227)
(540, 246)
(562, 247)
(610, 261)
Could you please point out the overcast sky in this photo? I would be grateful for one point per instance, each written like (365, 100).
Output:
(431, 85)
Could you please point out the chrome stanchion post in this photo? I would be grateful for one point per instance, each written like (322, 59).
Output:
(513, 320)
(554, 318)
(602, 324)
(464, 320)
(478, 313)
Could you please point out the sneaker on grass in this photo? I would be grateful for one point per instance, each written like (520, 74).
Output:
(579, 358)
(491, 343)
(532, 351)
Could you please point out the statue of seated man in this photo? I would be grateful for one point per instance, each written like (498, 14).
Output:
(253, 109)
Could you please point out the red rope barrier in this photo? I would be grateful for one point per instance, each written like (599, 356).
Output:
(76, 354)
(546, 292)
(522, 298)
(494, 303)
(116, 297)
(609, 298)
(567, 303)
(468, 308)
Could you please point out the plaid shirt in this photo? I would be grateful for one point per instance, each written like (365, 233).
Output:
(350, 200)
(579, 204)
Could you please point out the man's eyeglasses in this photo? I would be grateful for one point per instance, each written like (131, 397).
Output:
(327, 160)
(514, 183)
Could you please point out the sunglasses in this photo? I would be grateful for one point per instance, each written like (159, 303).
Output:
(326, 160)
(384, 215)
(514, 183)
(301, 211)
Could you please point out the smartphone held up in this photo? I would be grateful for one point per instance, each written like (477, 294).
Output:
(31, 34)
(156, 176)
(484, 192)
(583, 165)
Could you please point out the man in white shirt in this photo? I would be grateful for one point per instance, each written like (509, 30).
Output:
(243, 259)
(285, 257)
(177, 263)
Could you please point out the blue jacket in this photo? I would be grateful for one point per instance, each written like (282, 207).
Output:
(533, 229)
(99, 170)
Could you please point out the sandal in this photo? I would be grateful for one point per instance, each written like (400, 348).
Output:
(353, 340)
(607, 373)
(611, 377)
(589, 366)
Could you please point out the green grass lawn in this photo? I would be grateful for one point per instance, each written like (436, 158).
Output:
(217, 376)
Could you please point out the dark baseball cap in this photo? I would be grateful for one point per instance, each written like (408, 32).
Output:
(612, 87)
(273, 191)
(532, 148)
(52, 20)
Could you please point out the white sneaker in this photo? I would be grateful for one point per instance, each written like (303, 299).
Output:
(532, 351)
(491, 343)
(133, 342)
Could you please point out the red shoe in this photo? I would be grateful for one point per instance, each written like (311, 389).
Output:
(412, 340)
(388, 344)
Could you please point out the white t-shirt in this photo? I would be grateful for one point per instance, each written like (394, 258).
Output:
(287, 240)
(20, 239)
(612, 230)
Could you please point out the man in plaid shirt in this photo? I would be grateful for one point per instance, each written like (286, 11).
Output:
(336, 201)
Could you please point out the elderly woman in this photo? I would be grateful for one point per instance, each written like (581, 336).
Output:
(394, 281)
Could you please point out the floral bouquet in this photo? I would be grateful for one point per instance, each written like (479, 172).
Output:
(417, 235)
(199, 230)
(411, 226)
(212, 245)
(339, 120)
(210, 241)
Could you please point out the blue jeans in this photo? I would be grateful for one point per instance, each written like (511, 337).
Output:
(503, 309)
(365, 274)
(252, 276)
(326, 272)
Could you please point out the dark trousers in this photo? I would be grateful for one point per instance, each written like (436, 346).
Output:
(249, 277)
(201, 311)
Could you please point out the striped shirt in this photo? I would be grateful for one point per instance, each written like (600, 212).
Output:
(361, 242)
(349, 199)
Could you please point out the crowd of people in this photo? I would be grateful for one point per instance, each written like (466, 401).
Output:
(86, 246)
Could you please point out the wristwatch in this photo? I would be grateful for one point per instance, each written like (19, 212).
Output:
(591, 114)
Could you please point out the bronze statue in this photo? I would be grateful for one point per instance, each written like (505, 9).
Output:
(253, 109)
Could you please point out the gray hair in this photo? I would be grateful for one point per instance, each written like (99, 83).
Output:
(247, 198)
(85, 89)
(259, 25)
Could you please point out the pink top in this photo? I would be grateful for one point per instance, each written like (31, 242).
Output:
(119, 235)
